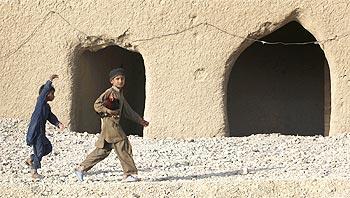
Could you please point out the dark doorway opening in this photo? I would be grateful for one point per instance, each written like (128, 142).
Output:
(280, 88)
(90, 79)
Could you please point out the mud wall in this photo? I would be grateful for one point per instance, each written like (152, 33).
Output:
(188, 47)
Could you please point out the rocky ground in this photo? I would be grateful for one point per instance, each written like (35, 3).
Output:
(278, 166)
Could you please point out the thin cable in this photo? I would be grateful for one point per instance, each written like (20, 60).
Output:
(76, 29)
(169, 34)
(267, 42)
(46, 17)
(238, 36)
(30, 36)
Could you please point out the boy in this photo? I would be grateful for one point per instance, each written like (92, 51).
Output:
(36, 131)
(111, 105)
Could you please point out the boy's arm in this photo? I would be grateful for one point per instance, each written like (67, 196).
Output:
(132, 115)
(46, 89)
(100, 108)
(53, 119)
(44, 92)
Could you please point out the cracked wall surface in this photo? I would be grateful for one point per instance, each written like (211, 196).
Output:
(188, 48)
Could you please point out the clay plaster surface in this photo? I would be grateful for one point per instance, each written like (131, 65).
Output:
(186, 73)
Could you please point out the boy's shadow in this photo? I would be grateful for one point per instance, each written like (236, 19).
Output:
(197, 176)
(97, 172)
(217, 174)
(99, 175)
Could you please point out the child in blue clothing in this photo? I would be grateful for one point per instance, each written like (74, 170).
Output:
(36, 131)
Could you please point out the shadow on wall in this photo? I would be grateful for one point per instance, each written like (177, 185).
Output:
(90, 79)
(279, 88)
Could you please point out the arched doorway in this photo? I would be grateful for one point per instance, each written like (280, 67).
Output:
(280, 88)
(90, 79)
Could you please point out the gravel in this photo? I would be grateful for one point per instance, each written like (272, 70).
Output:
(167, 164)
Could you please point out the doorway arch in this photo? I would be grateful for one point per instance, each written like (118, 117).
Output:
(280, 88)
(90, 79)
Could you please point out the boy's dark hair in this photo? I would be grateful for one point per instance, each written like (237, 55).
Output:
(115, 72)
(42, 87)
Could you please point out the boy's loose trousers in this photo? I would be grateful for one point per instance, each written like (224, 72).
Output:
(121, 146)
(123, 151)
(41, 148)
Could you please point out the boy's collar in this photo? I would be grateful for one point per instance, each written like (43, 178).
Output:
(116, 88)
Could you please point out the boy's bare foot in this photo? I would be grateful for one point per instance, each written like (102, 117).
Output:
(29, 162)
(36, 176)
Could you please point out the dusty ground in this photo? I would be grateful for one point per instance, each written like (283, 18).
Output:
(278, 166)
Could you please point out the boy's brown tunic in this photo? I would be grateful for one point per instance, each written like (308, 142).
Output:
(111, 130)
(112, 135)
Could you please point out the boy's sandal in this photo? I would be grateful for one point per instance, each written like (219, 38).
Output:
(79, 174)
(131, 178)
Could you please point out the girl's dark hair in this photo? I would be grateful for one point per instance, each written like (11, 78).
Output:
(42, 87)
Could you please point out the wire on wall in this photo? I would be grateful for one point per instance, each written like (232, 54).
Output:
(50, 13)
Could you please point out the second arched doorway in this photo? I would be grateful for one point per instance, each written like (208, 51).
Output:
(280, 88)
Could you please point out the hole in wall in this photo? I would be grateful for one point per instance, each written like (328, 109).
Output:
(90, 79)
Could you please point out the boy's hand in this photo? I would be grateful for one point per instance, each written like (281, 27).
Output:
(144, 123)
(61, 126)
(112, 96)
(53, 76)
